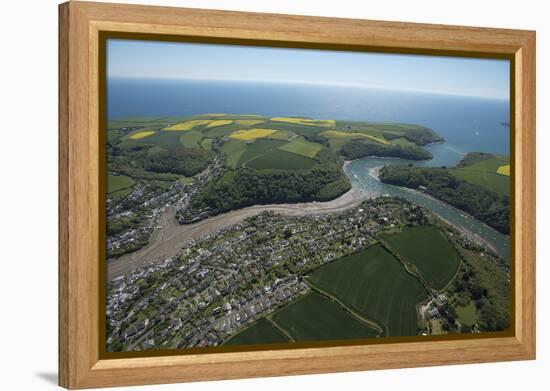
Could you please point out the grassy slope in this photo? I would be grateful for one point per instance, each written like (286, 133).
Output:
(484, 173)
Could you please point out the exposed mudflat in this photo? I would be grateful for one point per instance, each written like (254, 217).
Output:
(167, 240)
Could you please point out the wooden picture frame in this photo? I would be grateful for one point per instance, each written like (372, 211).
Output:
(81, 364)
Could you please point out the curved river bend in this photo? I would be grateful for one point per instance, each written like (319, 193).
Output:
(363, 175)
(171, 237)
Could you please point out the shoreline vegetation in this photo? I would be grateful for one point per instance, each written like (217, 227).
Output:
(230, 161)
(473, 186)
(266, 173)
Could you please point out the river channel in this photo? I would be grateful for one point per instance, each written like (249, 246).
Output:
(363, 175)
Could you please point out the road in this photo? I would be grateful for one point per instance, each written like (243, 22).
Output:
(168, 240)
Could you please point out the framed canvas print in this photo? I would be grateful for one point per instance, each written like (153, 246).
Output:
(248, 195)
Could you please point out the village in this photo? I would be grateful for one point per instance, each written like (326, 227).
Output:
(132, 221)
(227, 280)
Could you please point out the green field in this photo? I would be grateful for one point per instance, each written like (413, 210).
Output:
(282, 135)
(484, 173)
(138, 122)
(118, 182)
(249, 122)
(315, 318)
(206, 144)
(221, 131)
(281, 160)
(302, 147)
(119, 186)
(401, 141)
(303, 130)
(191, 139)
(337, 143)
(374, 284)
(426, 248)
(258, 148)
(166, 140)
(397, 134)
(233, 149)
(260, 332)
(467, 314)
(186, 180)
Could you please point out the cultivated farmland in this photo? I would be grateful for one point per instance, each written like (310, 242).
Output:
(315, 318)
(302, 147)
(138, 135)
(191, 139)
(485, 173)
(305, 121)
(504, 170)
(219, 122)
(375, 284)
(260, 332)
(119, 186)
(187, 125)
(251, 134)
(258, 148)
(282, 135)
(338, 134)
(281, 160)
(249, 122)
(429, 251)
(220, 131)
(233, 150)
(296, 128)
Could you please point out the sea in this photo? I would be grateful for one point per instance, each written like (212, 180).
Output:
(468, 124)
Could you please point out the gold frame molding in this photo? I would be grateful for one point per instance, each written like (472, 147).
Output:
(82, 29)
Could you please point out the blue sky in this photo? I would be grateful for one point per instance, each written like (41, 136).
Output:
(445, 75)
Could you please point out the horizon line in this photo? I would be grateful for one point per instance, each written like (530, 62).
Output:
(318, 83)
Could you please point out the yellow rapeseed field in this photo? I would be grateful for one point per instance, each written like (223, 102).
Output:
(188, 125)
(251, 134)
(504, 170)
(219, 122)
(249, 122)
(377, 139)
(338, 134)
(138, 135)
(304, 121)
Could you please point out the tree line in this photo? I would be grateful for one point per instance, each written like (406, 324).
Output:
(357, 149)
(249, 187)
(483, 204)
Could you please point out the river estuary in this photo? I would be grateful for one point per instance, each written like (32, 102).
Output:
(363, 175)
